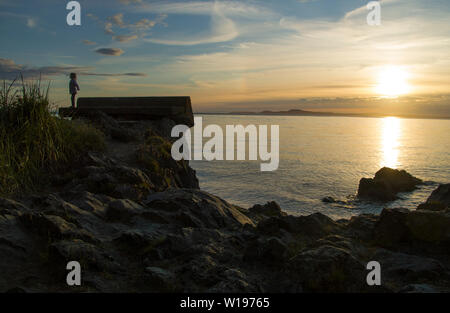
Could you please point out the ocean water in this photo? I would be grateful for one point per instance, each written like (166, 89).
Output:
(327, 156)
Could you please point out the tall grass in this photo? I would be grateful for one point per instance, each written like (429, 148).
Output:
(34, 144)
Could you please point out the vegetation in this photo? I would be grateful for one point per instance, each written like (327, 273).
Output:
(154, 154)
(34, 143)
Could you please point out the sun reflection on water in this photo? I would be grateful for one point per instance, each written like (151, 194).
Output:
(390, 142)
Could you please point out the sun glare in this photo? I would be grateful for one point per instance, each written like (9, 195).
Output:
(391, 131)
(392, 82)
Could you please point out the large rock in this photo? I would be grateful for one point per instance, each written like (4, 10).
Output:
(329, 269)
(386, 184)
(397, 226)
(196, 208)
(439, 199)
(397, 267)
(315, 225)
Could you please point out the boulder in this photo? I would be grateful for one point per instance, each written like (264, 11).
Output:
(315, 225)
(269, 209)
(328, 269)
(398, 180)
(397, 226)
(362, 226)
(328, 199)
(370, 189)
(391, 228)
(196, 208)
(397, 267)
(439, 199)
(386, 184)
(269, 251)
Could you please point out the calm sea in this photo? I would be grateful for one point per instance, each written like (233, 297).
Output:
(326, 156)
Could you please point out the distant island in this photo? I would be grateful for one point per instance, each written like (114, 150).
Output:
(299, 112)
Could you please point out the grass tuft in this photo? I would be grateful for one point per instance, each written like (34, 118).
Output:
(33, 143)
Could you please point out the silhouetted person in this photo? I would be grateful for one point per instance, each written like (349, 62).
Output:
(73, 87)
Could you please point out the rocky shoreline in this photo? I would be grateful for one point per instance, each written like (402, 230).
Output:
(137, 221)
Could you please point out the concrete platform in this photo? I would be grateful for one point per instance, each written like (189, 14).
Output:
(178, 109)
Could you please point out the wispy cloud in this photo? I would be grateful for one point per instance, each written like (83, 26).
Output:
(110, 51)
(31, 22)
(10, 70)
(222, 29)
(130, 1)
(134, 30)
(223, 26)
(230, 8)
(115, 74)
(89, 42)
(124, 38)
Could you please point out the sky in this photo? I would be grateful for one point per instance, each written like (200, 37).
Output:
(238, 55)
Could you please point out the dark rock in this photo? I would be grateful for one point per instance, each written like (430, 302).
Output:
(397, 226)
(419, 288)
(439, 200)
(269, 251)
(371, 189)
(133, 238)
(269, 209)
(328, 200)
(362, 226)
(328, 269)
(273, 250)
(54, 227)
(122, 210)
(397, 267)
(159, 279)
(386, 184)
(391, 228)
(314, 225)
(398, 180)
(88, 255)
(273, 226)
(428, 226)
(234, 281)
(195, 208)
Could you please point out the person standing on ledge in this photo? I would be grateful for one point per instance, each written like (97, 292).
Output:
(73, 87)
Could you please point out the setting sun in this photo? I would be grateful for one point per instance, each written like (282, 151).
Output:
(392, 81)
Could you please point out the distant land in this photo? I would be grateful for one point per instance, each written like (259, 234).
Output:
(299, 112)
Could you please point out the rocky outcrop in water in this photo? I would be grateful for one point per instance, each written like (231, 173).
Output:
(386, 184)
(136, 228)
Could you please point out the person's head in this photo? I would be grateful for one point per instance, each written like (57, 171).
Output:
(73, 75)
